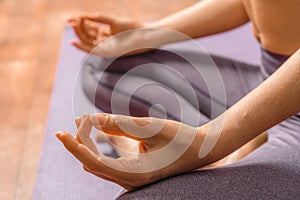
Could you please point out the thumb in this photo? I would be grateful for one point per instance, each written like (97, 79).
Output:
(138, 128)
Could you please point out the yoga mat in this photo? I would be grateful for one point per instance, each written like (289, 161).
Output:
(60, 175)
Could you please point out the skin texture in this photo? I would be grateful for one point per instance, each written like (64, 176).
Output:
(275, 25)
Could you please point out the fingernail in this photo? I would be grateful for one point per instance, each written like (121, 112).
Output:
(57, 134)
(77, 122)
(98, 119)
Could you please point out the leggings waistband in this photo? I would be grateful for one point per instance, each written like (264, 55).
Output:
(272, 61)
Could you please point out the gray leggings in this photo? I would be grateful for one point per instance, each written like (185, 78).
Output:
(156, 84)
(270, 172)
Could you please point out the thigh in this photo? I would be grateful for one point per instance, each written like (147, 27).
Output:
(137, 96)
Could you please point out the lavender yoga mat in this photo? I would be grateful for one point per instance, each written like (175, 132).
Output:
(61, 176)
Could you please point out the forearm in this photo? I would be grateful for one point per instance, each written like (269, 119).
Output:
(272, 102)
(205, 18)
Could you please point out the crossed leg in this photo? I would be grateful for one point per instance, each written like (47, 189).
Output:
(160, 79)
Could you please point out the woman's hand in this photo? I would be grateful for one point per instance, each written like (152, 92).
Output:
(95, 34)
(163, 148)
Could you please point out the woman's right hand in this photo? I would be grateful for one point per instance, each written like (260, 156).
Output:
(95, 34)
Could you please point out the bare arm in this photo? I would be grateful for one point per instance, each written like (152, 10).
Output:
(272, 102)
(206, 17)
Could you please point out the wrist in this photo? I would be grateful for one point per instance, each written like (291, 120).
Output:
(153, 24)
(206, 142)
(203, 134)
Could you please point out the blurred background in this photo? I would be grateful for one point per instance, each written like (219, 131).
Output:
(30, 37)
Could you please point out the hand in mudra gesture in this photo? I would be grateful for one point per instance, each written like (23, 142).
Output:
(163, 148)
(96, 35)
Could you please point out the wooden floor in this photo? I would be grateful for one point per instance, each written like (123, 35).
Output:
(30, 36)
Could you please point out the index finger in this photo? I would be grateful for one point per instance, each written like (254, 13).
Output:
(137, 128)
(78, 26)
(84, 132)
